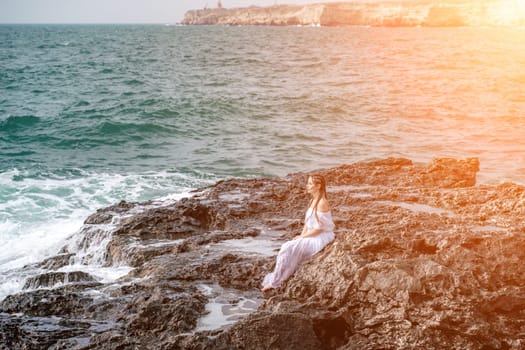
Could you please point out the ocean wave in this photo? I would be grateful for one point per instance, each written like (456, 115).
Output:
(17, 154)
(117, 128)
(258, 95)
(42, 210)
(18, 122)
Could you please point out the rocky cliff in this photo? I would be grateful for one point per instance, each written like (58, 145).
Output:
(423, 259)
(275, 15)
(402, 13)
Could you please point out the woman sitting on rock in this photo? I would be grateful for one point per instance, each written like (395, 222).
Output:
(318, 231)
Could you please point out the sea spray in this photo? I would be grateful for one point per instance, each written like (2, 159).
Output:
(42, 215)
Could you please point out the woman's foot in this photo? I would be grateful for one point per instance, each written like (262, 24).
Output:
(266, 287)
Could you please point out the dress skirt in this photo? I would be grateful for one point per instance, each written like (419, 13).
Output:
(295, 253)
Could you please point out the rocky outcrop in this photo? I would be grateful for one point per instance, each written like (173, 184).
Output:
(387, 13)
(51, 279)
(276, 15)
(423, 258)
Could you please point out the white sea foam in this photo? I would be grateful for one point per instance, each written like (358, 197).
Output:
(35, 243)
(11, 283)
(102, 274)
(41, 213)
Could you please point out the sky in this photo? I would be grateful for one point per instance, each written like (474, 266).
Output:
(116, 11)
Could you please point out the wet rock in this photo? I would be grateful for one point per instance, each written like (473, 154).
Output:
(263, 331)
(228, 270)
(56, 262)
(187, 217)
(423, 258)
(106, 215)
(162, 311)
(21, 332)
(46, 303)
(51, 279)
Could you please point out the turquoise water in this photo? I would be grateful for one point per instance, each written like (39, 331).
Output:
(94, 114)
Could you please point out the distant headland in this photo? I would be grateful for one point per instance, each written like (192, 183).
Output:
(448, 13)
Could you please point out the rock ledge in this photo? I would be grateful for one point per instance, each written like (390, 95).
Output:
(423, 258)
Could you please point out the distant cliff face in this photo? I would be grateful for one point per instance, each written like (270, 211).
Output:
(275, 15)
(424, 13)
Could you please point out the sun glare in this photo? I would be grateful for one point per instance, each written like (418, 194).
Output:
(508, 12)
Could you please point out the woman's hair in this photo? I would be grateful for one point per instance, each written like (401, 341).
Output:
(318, 180)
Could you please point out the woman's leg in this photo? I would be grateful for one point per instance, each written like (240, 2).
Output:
(290, 257)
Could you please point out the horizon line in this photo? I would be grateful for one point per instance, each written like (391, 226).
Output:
(83, 23)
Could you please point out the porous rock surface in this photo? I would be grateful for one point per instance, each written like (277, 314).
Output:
(423, 259)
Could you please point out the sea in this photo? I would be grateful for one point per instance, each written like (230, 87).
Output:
(91, 115)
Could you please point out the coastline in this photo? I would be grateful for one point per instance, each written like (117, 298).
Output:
(385, 14)
(423, 257)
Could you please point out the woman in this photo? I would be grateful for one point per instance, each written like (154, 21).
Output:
(318, 231)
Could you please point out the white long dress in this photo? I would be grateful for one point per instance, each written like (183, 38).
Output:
(296, 252)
